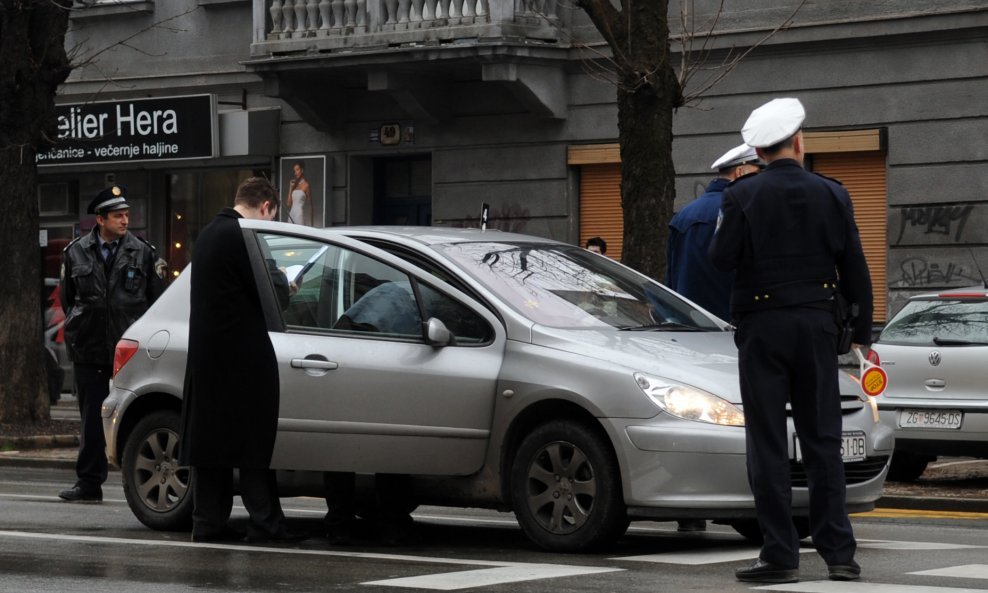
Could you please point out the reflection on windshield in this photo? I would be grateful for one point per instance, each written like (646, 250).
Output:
(921, 321)
(566, 286)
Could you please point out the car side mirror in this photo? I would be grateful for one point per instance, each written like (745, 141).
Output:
(437, 334)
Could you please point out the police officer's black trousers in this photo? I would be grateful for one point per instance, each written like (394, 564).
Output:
(790, 354)
(92, 386)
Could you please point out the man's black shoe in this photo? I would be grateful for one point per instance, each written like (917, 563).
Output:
(844, 572)
(76, 494)
(281, 537)
(766, 572)
(227, 534)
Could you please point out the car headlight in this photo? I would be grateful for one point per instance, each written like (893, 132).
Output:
(689, 403)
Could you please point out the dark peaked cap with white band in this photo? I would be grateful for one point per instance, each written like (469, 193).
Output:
(108, 200)
(739, 155)
(773, 122)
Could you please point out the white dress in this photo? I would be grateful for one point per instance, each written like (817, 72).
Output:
(297, 212)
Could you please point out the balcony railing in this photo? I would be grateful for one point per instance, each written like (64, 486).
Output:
(288, 26)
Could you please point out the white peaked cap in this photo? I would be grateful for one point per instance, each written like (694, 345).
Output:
(773, 122)
(736, 156)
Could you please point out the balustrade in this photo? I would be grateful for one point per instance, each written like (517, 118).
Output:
(299, 19)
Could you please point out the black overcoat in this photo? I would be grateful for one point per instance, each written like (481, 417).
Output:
(230, 404)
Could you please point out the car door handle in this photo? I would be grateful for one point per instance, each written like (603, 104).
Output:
(314, 363)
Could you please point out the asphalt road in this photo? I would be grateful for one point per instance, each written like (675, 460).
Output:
(48, 545)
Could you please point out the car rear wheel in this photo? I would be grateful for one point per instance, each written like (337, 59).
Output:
(566, 488)
(748, 528)
(908, 467)
(156, 486)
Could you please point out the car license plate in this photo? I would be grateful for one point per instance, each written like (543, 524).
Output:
(950, 419)
(852, 447)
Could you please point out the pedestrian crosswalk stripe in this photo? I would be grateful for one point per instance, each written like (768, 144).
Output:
(483, 577)
(859, 587)
(701, 556)
(966, 571)
(879, 544)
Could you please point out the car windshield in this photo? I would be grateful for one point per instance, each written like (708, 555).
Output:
(569, 287)
(941, 321)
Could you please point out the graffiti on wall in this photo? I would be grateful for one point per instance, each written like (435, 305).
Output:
(935, 220)
(920, 271)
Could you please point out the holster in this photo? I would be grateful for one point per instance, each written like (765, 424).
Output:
(844, 316)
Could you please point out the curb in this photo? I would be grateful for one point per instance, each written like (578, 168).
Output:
(39, 442)
(934, 503)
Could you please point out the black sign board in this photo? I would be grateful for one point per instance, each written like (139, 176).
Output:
(158, 129)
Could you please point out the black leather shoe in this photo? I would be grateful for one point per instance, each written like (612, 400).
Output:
(227, 534)
(766, 572)
(281, 537)
(844, 572)
(77, 494)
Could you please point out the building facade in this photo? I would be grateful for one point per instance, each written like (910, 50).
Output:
(421, 111)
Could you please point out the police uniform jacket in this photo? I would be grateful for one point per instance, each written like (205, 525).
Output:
(231, 397)
(688, 268)
(101, 302)
(790, 236)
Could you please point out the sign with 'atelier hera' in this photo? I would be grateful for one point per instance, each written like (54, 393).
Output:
(157, 129)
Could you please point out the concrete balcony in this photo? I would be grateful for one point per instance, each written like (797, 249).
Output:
(286, 27)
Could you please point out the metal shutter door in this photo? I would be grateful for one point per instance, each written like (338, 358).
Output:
(600, 206)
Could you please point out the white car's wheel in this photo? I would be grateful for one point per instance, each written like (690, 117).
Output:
(566, 488)
(157, 488)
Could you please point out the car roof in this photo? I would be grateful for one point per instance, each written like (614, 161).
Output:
(970, 291)
(426, 235)
(433, 235)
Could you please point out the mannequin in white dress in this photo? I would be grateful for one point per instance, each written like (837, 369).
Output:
(299, 197)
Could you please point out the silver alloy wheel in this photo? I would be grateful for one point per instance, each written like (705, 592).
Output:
(161, 482)
(562, 487)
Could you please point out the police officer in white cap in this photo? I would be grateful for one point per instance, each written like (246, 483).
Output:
(688, 268)
(108, 280)
(790, 237)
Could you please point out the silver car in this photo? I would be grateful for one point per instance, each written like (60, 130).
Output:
(935, 351)
(498, 370)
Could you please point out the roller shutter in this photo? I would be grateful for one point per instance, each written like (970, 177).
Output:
(600, 206)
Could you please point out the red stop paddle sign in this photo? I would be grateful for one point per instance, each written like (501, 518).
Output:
(874, 380)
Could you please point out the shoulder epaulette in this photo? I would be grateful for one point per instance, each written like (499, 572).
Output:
(71, 243)
(837, 181)
(145, 241)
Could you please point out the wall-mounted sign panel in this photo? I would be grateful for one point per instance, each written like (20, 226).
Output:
(157, 129)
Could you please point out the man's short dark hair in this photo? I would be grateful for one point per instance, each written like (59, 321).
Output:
(254, 191)
(778, 146)
(598, 242)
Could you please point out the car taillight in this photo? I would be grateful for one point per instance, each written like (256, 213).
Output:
(873, 357)
(124, 351)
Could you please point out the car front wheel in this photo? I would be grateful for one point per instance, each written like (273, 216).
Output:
(566, 488)
(156, 487)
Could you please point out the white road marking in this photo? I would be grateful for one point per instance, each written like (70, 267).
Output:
(491, 576)
(701, 556)
(859, 587)
(879, 544)
(966, 571)
(501, 572)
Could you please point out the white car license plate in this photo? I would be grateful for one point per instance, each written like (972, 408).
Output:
(930, 418)
(852, 447)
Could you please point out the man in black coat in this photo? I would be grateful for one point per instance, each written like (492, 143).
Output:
(791, 238)
(109, 278)
(230, 404)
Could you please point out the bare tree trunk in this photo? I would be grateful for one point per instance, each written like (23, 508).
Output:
(32, 65)
(648, 92)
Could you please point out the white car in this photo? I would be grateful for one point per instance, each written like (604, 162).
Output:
(497, 370)
(935, 351)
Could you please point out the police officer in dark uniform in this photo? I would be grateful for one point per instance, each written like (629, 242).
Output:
(688, 268)
(108, 280)
(791, 238)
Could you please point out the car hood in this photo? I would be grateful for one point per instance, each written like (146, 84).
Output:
(706, 360)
